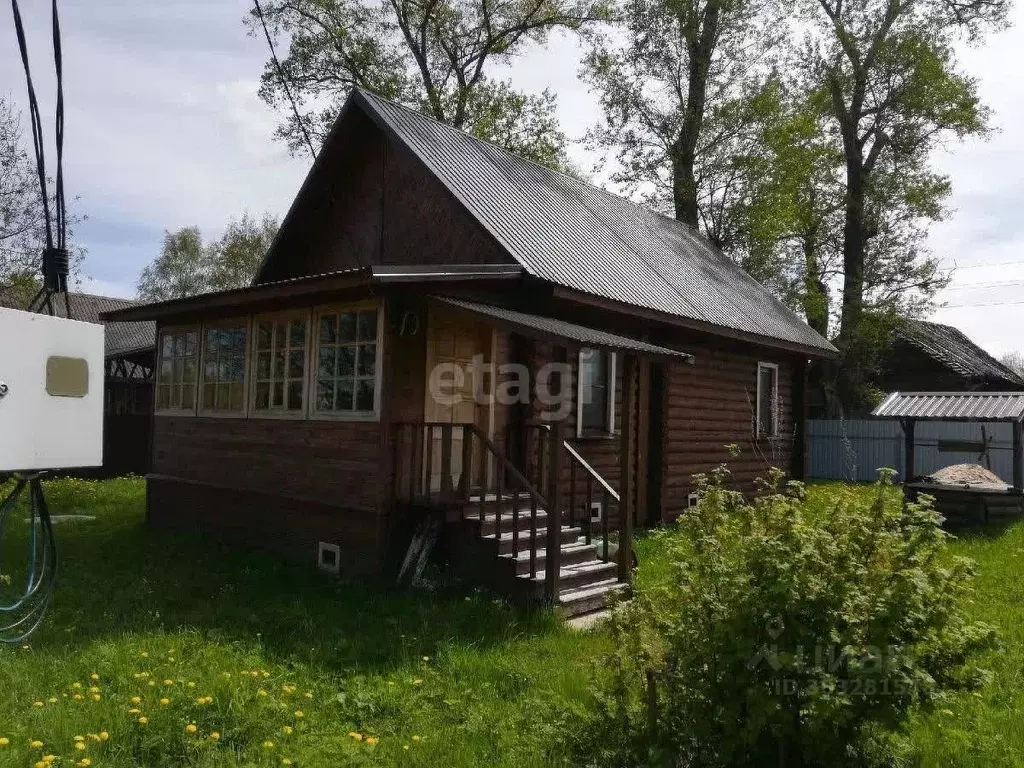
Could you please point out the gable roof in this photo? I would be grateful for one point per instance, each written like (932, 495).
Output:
(949, 347)
(575, 235)
(121, 337)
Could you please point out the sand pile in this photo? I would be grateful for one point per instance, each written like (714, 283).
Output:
(966, 474)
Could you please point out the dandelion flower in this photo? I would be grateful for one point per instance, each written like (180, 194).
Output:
(53, 699)
(215, 736)
(144, 655)
(135, 700)
(371, 740)
(416, 738)
(143, 720)
(94, 737)
(268, 744)
(94, 689)
(405, 747)
(285, 761)
(134, 711)
(76, 685)
(164, 702)
(38, 704)
(356, 736)
(299, 713)
(417, 682)
(78, 697)
(168, 682)
(191, 728)
(261, 692)
(49, 759)
(287, 730)
(104, 735)
(151, 682)
(426, 658)
(39, 764)
(94, 677)
(170, 659)
(36, 744)
(4, 741)
(308, 694)
(96, 697)
(191, 684)
(226, 675)
(85, 762)
(80, 746)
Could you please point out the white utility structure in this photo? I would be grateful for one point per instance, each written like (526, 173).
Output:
(51, 392)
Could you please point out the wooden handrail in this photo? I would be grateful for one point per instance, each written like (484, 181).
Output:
(506, 462)
(586, 466)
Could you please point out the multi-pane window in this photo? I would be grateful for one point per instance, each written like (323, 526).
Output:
(596, 392)
(223, 385)
(767, 400)
(176, 373)
(280, 365)
(347, 364)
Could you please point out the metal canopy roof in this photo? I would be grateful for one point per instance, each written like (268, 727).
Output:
(953, 406)
(550, 328)
(574, 235)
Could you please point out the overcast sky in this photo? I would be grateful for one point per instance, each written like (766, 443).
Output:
(164, 130)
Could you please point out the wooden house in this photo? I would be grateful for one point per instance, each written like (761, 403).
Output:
(443, 328)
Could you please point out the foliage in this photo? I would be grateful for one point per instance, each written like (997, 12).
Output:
(790, 634)
(678, 84)
(187, 266)
(1014, 361)
(22, 223)
(435, 56)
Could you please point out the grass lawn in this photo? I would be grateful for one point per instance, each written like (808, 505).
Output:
(204, 655)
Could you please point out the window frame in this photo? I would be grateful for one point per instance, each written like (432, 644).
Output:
(776, 417)
(176, 329)
(378, 384)
(247, 321)
(306, 314)
(610, 384)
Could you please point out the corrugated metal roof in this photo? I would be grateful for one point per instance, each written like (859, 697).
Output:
(578, 236)
(953, 406)
(951, 348)
(550, 327)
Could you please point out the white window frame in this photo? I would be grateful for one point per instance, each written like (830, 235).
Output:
(612, 359)
(246, 322)
(176, 329)
(274, 317)
(314, 361)
(774, 367)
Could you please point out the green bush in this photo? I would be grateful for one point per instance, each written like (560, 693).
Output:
(787, 634)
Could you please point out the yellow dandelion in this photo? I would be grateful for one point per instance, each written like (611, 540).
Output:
(36, 744)
(164, 702)
(94, 737)
(151, 682)
(94, 689)
(299, 713)
(49, 759)
(416, 738)
(168, 682)
(38, 704)
(52, 699)
(76, 685)
(261, 692)
(215, 736)
(78, 697)
(268, 744)
(417, 682)
(226, 675)
(85, 762)
(170, 659)
(4, 741)
(265, 673)
(191, 684)
(134, 711)
(40, 764)
(143, 720)
(371, 740)
(356, 736)
(104, 735)
(191, 728)
(96, 697)
(426, 658)
(135, 700)
(94, 677)
(285, 761)
(287, 730)
(308, 694)
(80, 745)
(144, 655)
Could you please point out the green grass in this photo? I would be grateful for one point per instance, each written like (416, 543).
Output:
(459, 678)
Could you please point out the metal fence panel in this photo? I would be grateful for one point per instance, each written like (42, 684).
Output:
(855, 450)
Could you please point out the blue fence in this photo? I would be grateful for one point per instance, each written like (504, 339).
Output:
(855, 450)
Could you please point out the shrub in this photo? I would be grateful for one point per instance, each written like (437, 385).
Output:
(786, 634)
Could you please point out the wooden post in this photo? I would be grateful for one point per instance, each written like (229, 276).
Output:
(626, 458)
(552, 561)
(1018, 468)
(801, 410)
(908, 449)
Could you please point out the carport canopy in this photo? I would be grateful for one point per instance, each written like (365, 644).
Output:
(911, 407)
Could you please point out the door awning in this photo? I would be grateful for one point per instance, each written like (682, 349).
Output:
(550, 329)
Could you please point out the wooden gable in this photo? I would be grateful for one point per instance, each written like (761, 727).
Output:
(369, 200)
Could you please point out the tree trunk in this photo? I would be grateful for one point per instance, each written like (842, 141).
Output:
(854, 243)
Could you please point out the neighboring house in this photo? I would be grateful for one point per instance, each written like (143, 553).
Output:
(128, 399)
(931, 357)
(366, 378)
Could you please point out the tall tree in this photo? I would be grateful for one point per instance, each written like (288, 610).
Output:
(187, 266)
(22, 224)
(433, 55)
(894, 93)
(677, 87)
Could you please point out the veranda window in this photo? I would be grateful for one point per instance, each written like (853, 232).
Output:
(280, 365)
(223, 379)
(176, 372)
(348, 367)
(595, 413)
(767, 400)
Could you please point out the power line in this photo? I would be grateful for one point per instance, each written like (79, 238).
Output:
(989, 284)
(982, 266)
(983, 304)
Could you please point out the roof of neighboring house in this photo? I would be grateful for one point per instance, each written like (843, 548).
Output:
(560, 329)
(121, 337)
(578, 236)
(953, 406)
(951, 348)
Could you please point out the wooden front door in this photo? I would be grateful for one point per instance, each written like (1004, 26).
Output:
(453, 342)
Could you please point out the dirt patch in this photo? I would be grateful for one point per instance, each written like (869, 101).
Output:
(967, 474)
